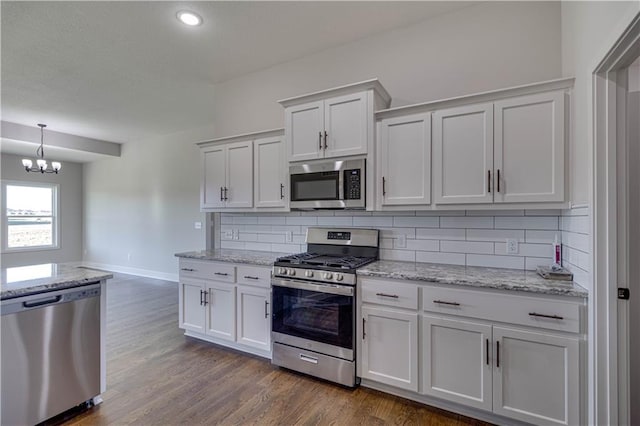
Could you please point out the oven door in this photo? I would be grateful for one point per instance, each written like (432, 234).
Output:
(314, 316)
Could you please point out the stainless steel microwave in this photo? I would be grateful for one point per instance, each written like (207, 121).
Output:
(331, 184)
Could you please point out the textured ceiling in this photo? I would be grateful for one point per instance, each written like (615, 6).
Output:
(123, 71)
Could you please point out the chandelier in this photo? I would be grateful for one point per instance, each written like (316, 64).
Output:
(41, 163)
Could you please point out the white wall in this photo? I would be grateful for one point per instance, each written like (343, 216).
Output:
(486, 46)
(140, 208)
(589, 30)
(70, 212)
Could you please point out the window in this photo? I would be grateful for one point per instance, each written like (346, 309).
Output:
(30, 218)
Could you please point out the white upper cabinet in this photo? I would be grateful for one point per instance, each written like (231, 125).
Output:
(529, 148)
(333, 123)
(345, 121)
(463, 154)
(214, 177)
(404, 160)
(239, 189)
(269, 185)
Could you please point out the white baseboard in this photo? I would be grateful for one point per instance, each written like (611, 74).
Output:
(147, 273)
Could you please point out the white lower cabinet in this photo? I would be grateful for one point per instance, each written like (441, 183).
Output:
(536, 377)
(254, 322)
(456, 361)
(230, 311)
(390, 347)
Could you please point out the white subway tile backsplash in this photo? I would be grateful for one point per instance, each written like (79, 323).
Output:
(578, 224)
(423, 245)
(493, 261)
(440, 234)
(373, 221)
(335, 221)
(527, 222)
(467, 247)
(466, 222)
(416, 221)
(531, 263)
(440, 257)
(403, 255)
(475, 238)
(495, 234)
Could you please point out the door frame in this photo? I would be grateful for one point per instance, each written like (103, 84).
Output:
(610, 384)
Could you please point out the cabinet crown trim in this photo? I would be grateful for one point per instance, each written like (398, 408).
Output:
(489, 96)
(243, 137)
(373, 83)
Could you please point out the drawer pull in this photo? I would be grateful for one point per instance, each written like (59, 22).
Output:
(308, 358)
(393, 296)
(188, 269)
(442, 302)
(498, 354)
(249, 277)
(533, 314)
(487, 350)
(224, 274)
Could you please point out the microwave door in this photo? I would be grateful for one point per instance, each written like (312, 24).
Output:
(316, 187)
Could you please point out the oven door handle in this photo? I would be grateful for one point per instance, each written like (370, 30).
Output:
(321, 288)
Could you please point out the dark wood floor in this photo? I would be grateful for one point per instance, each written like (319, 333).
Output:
(157, 376)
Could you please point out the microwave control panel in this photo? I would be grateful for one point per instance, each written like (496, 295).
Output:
(352, 184)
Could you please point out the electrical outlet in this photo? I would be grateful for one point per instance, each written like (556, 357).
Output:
(236, 234)
(197, 225)
(289, 236)
(128, 257)
(512, 246)
(401, 241)
(228, 235)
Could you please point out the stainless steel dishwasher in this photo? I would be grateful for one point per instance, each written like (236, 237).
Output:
(50, 353)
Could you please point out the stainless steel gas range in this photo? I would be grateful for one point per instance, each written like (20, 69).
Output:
(314, 303)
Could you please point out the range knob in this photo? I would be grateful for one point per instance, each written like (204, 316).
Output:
(292, 272)
(282, 271)
(328, 275)
(339, 277)
(308, 274)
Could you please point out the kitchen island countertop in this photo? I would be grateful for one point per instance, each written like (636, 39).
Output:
(32, 279)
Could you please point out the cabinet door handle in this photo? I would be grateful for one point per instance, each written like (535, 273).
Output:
(534, 314)
(225, 193)
(442, 302)
(325, 139)
(393, 296)
(498, 180)
(498, 354)
(488, 180)
(205, 293)
(320, 139)
(487, 351)
(249, 277)
(188, 269)
(224, 274)
(281, 191)
(266, 305)
(221, 192)
(201, 292)
(384, 190)
(364, 322)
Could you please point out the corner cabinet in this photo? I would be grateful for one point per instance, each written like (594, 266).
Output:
(511, 356)
(226, 304)
(244, 173)
(333, 123)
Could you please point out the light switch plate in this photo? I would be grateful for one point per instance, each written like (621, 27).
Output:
(197, 225)
(228, 235)
(289, 236)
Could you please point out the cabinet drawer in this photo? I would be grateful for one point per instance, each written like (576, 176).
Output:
(207, 270)
(521, 310)
(389, 293)
(254, 275)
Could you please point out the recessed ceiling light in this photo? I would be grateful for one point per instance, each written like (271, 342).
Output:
(189, 18)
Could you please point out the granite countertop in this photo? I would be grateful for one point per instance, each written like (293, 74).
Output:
(262, 258)
(33, 279)
(472, 276)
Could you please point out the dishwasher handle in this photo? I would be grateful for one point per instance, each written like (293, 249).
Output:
(42, 302)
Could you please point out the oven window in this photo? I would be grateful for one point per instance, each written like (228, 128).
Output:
(323, 317)
(315, 186)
